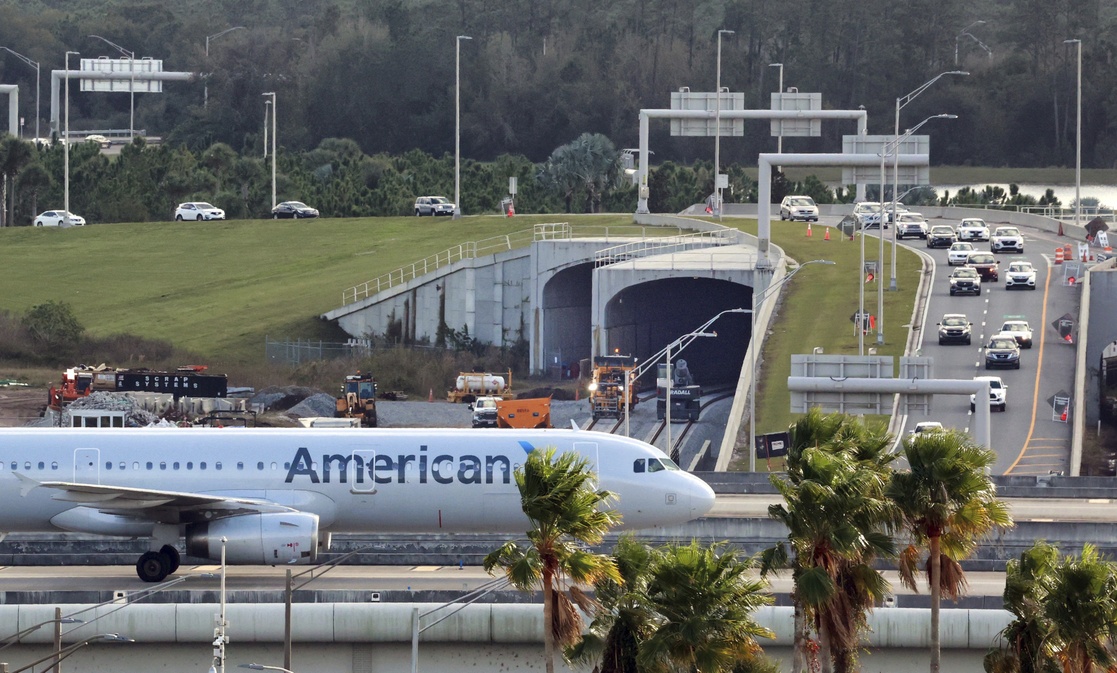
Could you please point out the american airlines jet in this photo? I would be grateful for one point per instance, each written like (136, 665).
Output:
(276, 495)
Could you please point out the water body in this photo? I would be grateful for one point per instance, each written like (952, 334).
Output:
(1105, 194)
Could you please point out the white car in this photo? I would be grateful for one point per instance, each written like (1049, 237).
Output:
(973, 229)
(998, 393)
(1020, 274)
(798, 208)
(1019, 330)
(923, 427)
(434, 206)
(868, 213)
(910, 224)
(54, 218)
(1006, 239)
(959, 253)
(198, 210)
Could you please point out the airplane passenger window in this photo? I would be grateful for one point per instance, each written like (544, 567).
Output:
(108, 464)
(174, 465)
(15, 465)
(135, 466)
(260, 465)
(202, 465)
(240, 465)
(54, 465)
(189, 466)
(27, 465)
(287, 466)
(274, 466)
(217, 466)
(149, 465)
(162, 465)
(638, 466)
(123, 465)
(42, 465)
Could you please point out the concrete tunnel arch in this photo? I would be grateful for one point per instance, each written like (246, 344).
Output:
(644, 318)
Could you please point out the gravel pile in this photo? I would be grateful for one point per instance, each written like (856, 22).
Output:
(318, 404)
(135, 417)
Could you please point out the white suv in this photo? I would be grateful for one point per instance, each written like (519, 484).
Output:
(798, 208)
(434, 206)
(998, 393)
(973, 229)
(1006, 239)
(198, 210)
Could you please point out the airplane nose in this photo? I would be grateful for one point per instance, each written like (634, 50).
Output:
(701, 498)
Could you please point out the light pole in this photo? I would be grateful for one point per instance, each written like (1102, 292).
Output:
(779, 138)
(669, 448)
(274, 114)
(66, 142)
(219, 637)
(717, 137)
(205, 98)
(759, 298)
(131, 83)
(458, 125)
(900, 104)
(894, 147)
(965, 31)
(59, 655)
(1078, 141)
(35, 65)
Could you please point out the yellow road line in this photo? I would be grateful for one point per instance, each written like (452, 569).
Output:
(1039, 367)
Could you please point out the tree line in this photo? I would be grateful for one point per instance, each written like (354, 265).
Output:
(535, 75)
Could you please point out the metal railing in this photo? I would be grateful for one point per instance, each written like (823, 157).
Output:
(551, 231)
(1063, 213)
(666, 245)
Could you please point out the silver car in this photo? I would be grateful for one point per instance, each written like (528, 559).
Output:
(433, 206)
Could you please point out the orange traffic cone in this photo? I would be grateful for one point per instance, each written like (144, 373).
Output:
(1061, 229)
(575, 394)
(430, 395)
(511, 210)
(808, 229)
(1063, 417)
(827, 236)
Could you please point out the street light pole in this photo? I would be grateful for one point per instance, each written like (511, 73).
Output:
(779, 138)
(274, 114)
(754, 349)
(1078, 141)
(131, 83)
(458, 125)
(900, 103)
(964, 32)
(717, 136)
(66, 142)
(35, 65)
(205, 95)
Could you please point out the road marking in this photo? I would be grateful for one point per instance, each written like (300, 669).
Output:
(1039, 369)
(1097, 501)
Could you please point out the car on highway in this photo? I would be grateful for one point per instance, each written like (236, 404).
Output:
(798, 208)
(912, 225)
(986, 264)
(941, 236)
(924, 427)
(294, 210)
(965, 280)
(198, 210)
(1020, 274)
(868, 214)
(955, 328)
(959, 253)
(1006, 239)
(1002, 351)
(1019, 330)
(434, 206)
(57, 218)
(998, 393)
(973, 229)
(889, 215)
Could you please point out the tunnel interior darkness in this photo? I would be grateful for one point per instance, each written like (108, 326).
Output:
(567, 319)
(642, 319)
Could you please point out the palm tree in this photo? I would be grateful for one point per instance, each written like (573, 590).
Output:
(566, 514)
(838, 518)
(705, 598)
(948, 503)
(1081, 609)
(624, 616)
(1026, 647)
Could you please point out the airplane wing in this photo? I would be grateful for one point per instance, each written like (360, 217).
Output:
(151, 504)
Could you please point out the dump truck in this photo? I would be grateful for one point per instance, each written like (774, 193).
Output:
(609, 396)
(185, 381)
(358, 399)
(526, 414)
(471, 385)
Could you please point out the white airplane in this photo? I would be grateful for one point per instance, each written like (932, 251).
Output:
(277, 495)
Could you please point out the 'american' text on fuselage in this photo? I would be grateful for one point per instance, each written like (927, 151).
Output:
(385, 469)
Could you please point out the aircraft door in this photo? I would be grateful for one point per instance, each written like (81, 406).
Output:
(360, 475)
(87, 466)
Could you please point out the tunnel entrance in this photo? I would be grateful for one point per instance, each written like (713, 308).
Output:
(567, 317)
(642, 319)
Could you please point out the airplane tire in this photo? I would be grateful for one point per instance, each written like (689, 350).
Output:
(173, 556)
(152, 567)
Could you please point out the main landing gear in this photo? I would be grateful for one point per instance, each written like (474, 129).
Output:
(154, 566)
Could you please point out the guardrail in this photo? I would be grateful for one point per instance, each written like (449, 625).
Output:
(666, 245)
(550, 231)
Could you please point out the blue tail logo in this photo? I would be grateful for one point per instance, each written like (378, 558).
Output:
(527, 447)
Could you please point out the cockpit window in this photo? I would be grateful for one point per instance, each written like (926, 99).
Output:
(654, 465)
(638, 466)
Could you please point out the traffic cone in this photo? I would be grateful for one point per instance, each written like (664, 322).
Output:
(430, 395)
(1063, 417)
(1061, 229)
(827, 236)
(808, 229)
(511, 210)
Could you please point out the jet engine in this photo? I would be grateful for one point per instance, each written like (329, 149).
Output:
(272, 538)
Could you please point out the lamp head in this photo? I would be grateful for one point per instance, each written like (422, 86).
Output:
(1073, 41)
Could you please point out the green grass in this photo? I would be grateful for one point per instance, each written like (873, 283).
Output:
(217, 288)
(816, 306)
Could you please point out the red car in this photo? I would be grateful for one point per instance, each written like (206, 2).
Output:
(986, 265)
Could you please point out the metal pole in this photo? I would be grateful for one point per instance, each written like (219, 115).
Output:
(755, 358)
(895, 191)
(37, 115)
(628, 400)
(132, 95)
(717, 131)
(287, 623)
(415, 640)
(458, 125)
(58, 639)
(861, 295)
(1078, 143)
(779, 138)
(66, 142)
(880, 255)
(274, 133)
(205, 104)
(667, 405)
